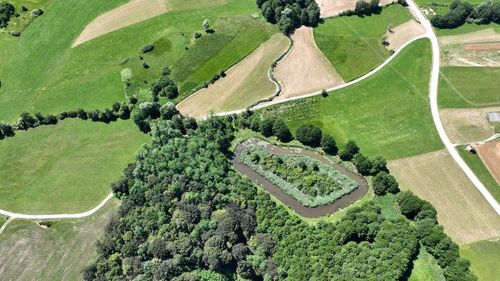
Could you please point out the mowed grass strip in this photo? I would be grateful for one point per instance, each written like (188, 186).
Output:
(469, 87)
(484, 257)
(387, 114)
(476, 164)
(66, 168)
(30, 252)
(426, 268)
(354, 45)
(245, 83)
(463, 212)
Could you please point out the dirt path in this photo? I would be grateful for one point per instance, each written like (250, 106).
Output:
(128, 14)
(330, 8)
(305, 69)
(403, 33)
(291, 202)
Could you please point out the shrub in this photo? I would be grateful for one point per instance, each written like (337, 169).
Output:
(266, 127)
(384, 183)
(309, 135)
(409, 204)
(281, 131)
(36, 12)
(7, 10)
(329, 145)
(147, 49)
(15, 33)
(168, 110)
(351, 148)
(363, 164)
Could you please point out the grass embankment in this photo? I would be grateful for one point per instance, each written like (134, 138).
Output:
(484, 257)
(88, 76)
(387, 114)
(65, 168)
(469, 87)
(426, 268)
(478, 167)
(30, 252)
(354, 44)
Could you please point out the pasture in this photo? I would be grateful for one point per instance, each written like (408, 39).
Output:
(353, 44)
(484, 257)
(88, 76)
(245, 83)
(426, 268)
(59, 252)
(66, 168)
(465, 125)
(463, 212)
(457, 91)
(393, 122)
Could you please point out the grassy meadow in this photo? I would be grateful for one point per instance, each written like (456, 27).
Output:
(484, 257)
(88, 76)
(456, 89)
(478, 167)
(387, 114)
(354, 44)
(59, 252)
(66, 168)
(426, 268)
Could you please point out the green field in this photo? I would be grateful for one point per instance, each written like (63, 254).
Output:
(426, 268)
(65, 168)
(354, 44)
(387, 114)
(457, 91)
(30, 252)
(478, 167)
(484, 257)
(466, 28)
(88, 76)
(2, 220)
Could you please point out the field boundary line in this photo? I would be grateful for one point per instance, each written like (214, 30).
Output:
(4, 226)
(12, 215)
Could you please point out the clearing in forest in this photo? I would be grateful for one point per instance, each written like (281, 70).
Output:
(245, 83)
(490, 154)
(467, 125)
(462, 210)
(29, 251)
(305, 69)
(403, 33)
(128, 14)
(330, 8)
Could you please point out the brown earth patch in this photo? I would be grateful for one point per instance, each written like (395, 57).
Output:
(245, 83)
(128, 14)
(305, 69)
(467, 125)
(482, 46)
(485, 35)
(490, 154)
(330, 8)
(464, 213)
(403, 33)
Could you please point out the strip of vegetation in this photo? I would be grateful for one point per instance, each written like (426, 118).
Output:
(309, 181)
(461, 12)
(290, 15)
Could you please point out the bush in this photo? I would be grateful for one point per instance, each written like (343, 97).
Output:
(309, 135)
(15, 33)
(266, 127)
(281, 131)
(384, 183)
(329, 145)
(409, 204)
(7, 10)
(363, 164)
(351, 149)
(36, 12)
(147, 49)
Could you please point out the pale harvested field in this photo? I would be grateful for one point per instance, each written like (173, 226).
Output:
(330, 8)
(467, 125)
(245, 83)
(305, 69)
(435, 177)
(30, 252)
(490, 154)
(458, 55)
(482, 46)
(128, 14)
(403, 33)
(485, 35)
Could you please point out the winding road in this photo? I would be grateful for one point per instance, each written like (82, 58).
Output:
(433, 94)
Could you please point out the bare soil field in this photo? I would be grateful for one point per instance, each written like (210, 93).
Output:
(330, 8)
(458, 55)
(128, 14)
(467, 125)
(245, 83)
(463, 212)
(482, 46)
(485, 35)
(403, 33)
(305, 69)
(490, 154)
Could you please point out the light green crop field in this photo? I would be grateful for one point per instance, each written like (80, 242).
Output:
(484, 257)
(66, 168)
(354, 44)
(426, 268)
(61, 78)
(30, 252)
(466, 28)
(456, 89)
(2, 220)
(387, 114)
(478, 167)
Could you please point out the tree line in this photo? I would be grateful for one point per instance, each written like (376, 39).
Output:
(461, 12)
(290, 14)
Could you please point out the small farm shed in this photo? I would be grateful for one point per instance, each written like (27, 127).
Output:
(494, 116)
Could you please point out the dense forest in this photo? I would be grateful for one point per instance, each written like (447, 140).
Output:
(187, 215)
(290, 14)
